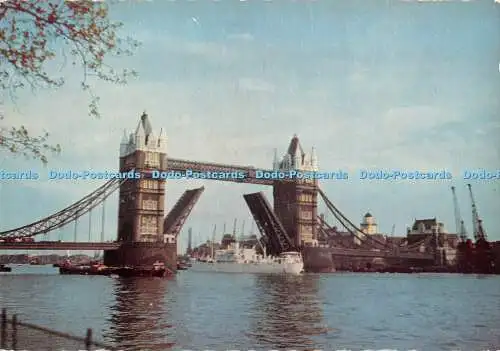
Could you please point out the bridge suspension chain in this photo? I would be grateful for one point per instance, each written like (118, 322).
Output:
(90, 225)
(353, 229)
(76, 229)
(68, 214)
(324, 224)
(416, 245)
(348, 225)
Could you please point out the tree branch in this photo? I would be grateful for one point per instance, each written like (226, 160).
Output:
(30, 32)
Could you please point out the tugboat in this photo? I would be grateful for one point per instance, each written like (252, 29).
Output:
(4, 268)
(182, 265)
(159, 269)
(35, 261)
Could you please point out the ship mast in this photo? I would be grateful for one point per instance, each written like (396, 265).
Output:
(262, 247)
(213, 239)
(190, 241)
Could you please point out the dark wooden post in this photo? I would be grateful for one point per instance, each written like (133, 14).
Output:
(88, 340)
(3, 327)
(14, 332)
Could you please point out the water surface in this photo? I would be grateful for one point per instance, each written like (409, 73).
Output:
(221, 311)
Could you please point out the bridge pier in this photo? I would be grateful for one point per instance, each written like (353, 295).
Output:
(137, 254)
(296, 206)
(318, 259)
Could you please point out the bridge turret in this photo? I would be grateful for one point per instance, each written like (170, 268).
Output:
(162, 141)
(314, 160)
(144, 139)
(151, 140)
(124, 143)
(297, 159)
(287, 162)
(296, 153)
(139, 137)
(276, 162)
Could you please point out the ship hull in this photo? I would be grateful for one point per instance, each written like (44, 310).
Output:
(266, 268)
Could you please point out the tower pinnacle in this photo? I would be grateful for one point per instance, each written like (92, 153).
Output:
(144, 138)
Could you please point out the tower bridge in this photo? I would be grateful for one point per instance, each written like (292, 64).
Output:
(145, 234)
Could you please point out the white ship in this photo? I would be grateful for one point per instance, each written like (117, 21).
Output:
(241, 260)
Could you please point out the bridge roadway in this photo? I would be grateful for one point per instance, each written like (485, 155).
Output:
(51, 245)
(336, 251)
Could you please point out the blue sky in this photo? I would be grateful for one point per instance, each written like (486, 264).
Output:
(376, 84)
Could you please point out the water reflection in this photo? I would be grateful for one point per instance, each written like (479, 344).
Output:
(138, 319)
(287, 312)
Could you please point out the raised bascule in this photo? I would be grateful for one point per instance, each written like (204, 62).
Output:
(145, 235)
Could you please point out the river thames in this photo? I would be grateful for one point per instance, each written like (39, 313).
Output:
(215, 311)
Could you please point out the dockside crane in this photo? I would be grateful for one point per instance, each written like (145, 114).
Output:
(465, 248)
(459, 222)
(479, 233)
(484, 257)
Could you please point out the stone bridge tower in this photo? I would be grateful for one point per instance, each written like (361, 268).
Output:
(296, 202)
(141, 206)
(141, 201)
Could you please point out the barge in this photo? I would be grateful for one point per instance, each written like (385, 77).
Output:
(4, 268)
(157, 270)
(181, 266)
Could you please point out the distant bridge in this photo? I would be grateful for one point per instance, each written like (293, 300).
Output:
(54, 245)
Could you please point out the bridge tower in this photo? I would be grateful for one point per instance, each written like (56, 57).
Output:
(141, 201)
(296, 201)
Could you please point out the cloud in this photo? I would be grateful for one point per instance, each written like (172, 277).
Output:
(209, 50)
(241, 36)
(225, 102)
(255, 84)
